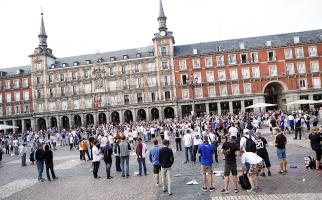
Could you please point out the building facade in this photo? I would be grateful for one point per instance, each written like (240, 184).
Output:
(165, 80)
(16, 98)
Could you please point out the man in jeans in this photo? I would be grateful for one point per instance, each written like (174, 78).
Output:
(39, 155)
(188, 141)
(124, 156)
(154, 159)
(166, 161)
(280, 143)
(140, 153)
(206, 150)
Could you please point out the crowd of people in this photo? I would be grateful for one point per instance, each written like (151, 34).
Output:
(204, 140)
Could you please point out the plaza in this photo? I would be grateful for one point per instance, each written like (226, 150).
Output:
(76, 181)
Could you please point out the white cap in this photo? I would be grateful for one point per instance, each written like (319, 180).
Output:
(246, 131)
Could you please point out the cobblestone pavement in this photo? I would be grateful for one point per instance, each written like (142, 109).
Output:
(76, 181)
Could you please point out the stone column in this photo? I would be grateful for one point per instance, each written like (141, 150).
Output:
(218, 108)
(311, 98)
(33, 124)
(147, 113)
(207, 109)
(161, 113)
(242, 106)
(23, 127)
(121, 113)
(231, 109)
(134, 114)
(70, 120)
(59, 125)
(95, 116)
(107, 117)
(14, 123)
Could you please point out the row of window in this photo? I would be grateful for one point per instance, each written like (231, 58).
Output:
(249, 57)
(16, 110)
(16, 84)
(235, 89)
(113, 100)
(16, 97)
(255, 72)
(222, 91)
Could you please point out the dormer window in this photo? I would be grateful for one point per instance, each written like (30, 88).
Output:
(296, 39)
(125, 57)
(76, 63)
(138, 55)
(53, 66)
(64, 64)
(49, 51)
(268, 43)
(99, 60)
(151, 53)
(88, 62)
(241, 45)
(112, 58)
(195, 51)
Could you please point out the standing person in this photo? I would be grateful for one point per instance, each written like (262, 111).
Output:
(39, 155)
(23, 153)
(125, 156)
(316, 143)
(83, 145)
(178, 139)
(280, 144)
(71, 142)
(48, 156)
(116, 148)
(315, 120)
(256, 165)
(188, 141)
(32, 154)
(262, 152)
(154, 159)
(213, 139)
(298, 127)
(140, 151)
(166, 161)
(108, 159)
(96, 159)
(206, 150)
(290, 119)
(197, 140)
(230, 150)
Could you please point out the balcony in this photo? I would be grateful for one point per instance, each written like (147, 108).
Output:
(25, 85)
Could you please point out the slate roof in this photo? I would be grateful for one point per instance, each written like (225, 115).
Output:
(250, 43)
(13, 70)
(131, 53)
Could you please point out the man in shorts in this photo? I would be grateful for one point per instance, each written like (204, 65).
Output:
(280, 144)
(256, 166)
(230, 150)
(206, 150)
(154, 159)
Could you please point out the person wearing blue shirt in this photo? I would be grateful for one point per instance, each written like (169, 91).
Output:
(206, 150)
(154, 159)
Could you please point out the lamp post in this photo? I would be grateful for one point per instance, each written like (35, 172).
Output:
(192, 83)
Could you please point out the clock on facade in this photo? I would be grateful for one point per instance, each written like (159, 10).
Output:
(163, 33)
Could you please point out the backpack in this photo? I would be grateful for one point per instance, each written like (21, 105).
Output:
(298, 123)
(244, 182)
(249, 126)
(250, 145)
(177, 133)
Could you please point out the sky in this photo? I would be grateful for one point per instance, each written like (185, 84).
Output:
(76, 27)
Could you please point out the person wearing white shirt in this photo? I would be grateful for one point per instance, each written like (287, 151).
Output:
(196, 141)
(104, 141)
(188, 141)
(96, 159)
(256, 165)
(233, 131)
(167, 134)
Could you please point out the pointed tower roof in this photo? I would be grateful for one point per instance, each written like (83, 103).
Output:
(42, 34)
(161, 13)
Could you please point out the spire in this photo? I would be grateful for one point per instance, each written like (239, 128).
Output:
(161, 13)
(162, 19)
(42, 35)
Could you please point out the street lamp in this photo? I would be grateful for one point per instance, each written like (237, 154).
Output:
(192, 84)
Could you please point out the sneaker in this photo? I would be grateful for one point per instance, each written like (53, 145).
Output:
(170, 193)
(269, 173)
(251, 191)
(211, 189)
(224, 191)
(204, 189)
(263, 174)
